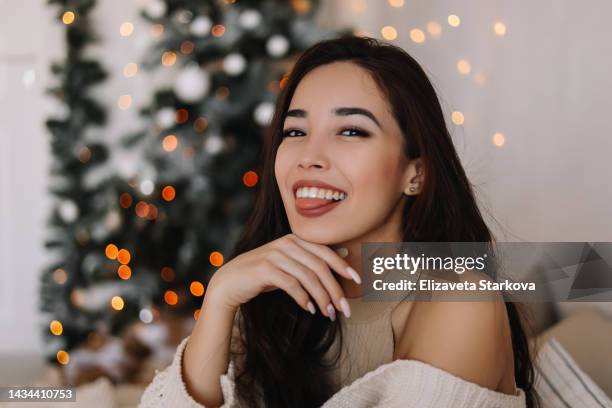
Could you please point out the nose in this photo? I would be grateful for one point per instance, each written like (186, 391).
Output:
(315, 153)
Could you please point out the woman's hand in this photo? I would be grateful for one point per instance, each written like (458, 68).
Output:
(302, 269)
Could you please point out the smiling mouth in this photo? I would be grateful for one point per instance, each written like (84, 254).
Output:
(312, 201)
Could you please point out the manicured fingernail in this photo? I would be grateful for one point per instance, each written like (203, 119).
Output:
(345, 307)
(343, 252)
(331, 312)
(354, 274)
(311, 307)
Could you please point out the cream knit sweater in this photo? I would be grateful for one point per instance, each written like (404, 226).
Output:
(401, 383)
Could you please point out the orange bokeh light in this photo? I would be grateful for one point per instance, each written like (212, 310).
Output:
(125, 200)
(171, 297)
(124, 272)
(142, 209)
(168, 193)
(196, 288)
(216, 258)
(250, 178)
(182, 115)
(56, 327)
(123, 256)
(170, 143)
(111, 251)
(167, 274)
(63, 357)
(218, 30)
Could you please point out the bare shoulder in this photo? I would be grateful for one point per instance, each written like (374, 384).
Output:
(468, 339)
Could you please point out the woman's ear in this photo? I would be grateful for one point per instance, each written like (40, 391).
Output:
(414, 177)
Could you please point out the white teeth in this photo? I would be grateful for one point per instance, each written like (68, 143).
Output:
(322, 193)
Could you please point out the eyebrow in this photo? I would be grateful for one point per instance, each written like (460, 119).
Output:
(344, 111)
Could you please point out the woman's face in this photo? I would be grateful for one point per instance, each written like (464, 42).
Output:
(367, 163)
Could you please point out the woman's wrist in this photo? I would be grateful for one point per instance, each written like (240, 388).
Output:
(216, 299)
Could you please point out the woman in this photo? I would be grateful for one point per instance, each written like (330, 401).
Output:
(358, 151)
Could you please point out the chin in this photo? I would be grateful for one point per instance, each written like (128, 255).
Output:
(320, 235)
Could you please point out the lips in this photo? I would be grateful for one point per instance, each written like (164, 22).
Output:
(314, 183)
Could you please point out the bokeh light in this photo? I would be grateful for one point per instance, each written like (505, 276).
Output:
(117, 303)
(216, 258)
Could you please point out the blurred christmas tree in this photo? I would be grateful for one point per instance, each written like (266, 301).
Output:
(181, 212)
(81, 185)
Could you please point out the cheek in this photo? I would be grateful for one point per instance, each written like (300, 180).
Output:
(377, 176)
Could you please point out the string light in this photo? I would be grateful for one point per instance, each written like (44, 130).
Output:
(182, 116)
(499, 139)
(171, 297)
(499, 28)
(111, 251)
(63, 357)
(434, 28)
(218, 30)
(457, 118)
(117, 303)
(68, 17)
(130, 69)
(167, 274)
(141, 209)
(60, 276)
(157, 30)
(84, 154)
(417, 35)
(124, 272)
(200, 124)
(168, 58)
(187, 47)
(454, 20)
(216, 258)
(196, 288)
(389, 33)
(56, 327)
(250, 178)
(125, 200)
(464, 67)
(123, 256)
(170, 143)
(124, 102)
(126, 29)
(168, 193)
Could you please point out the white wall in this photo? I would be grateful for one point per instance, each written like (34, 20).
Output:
(546, 89)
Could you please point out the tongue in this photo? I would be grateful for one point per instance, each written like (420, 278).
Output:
(311, 203)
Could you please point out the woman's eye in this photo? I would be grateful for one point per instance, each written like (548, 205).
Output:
(356, 132)
(352, 132)
(287, 133)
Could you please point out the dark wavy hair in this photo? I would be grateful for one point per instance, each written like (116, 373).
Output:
(284, 363)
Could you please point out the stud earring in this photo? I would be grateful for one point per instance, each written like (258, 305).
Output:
(412, 189)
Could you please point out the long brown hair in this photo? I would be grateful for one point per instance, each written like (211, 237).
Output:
(284, 362)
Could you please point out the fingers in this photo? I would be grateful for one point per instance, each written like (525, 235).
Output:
(291, 286)
(317, 280)
(329, 256)
(321, 272)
